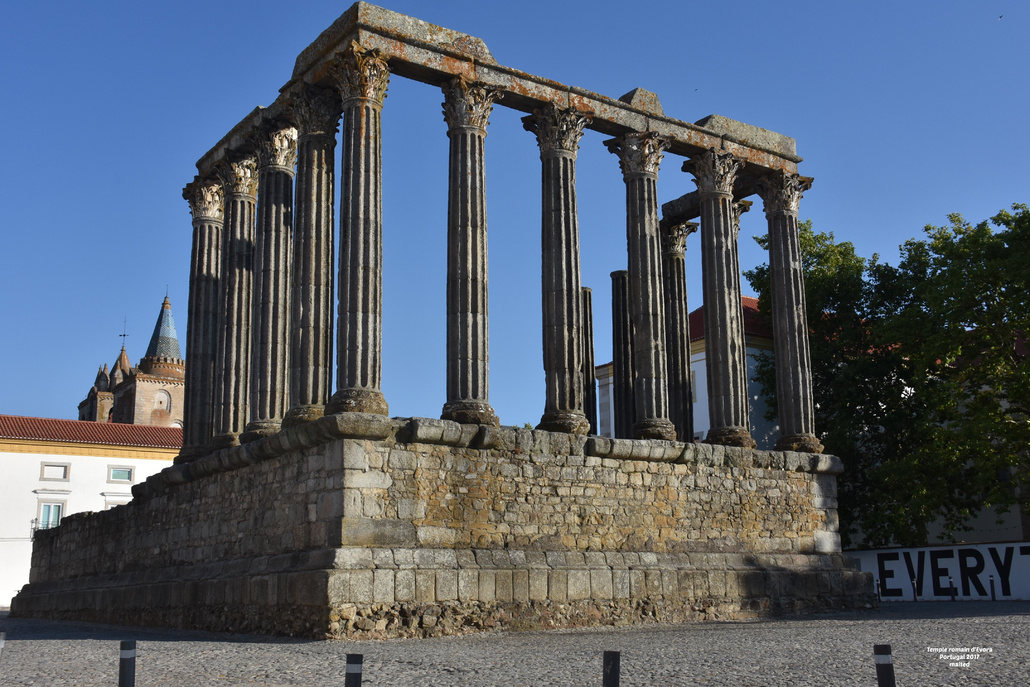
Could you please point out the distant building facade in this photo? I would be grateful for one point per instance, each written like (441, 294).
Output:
(53, 468)
(151, 393)
(757, 339)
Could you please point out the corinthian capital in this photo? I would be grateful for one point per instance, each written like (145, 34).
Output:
(674, 238)
(239, 176)
(361, 73)
(639, 153)
(205, 199)
(738, 209)
(277, 146)
(781, 192)
(468, 103)
(714, 172)
(557, 129)
(315, 112)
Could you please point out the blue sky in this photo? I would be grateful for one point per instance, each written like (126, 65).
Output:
(903, 111)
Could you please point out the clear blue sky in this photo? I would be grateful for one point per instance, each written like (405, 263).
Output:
(903, 111)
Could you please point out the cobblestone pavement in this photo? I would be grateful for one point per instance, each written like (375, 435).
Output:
(807, 650)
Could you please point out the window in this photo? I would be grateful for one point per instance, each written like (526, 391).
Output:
(116, 473)
(50, 515)
(56, 472)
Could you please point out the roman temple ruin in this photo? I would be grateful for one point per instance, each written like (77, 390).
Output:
(299, 506)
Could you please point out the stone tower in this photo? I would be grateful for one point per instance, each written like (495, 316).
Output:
(149, 394)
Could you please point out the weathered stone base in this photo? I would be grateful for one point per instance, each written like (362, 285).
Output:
(570, 423)
(301, 414)
(730, 436)
(378, 593)
(357, 401)
(359, 525)
(470, 413)
(802, 443)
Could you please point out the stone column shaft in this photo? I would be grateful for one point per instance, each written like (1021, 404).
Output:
(677, 329)
(467, 108)
(622, 358)
(725, 353)
(271, 312)
(589, 373)
(316, 114)
(363, 77)
(207, 206)
(232, 378)
(781, 194)
(640, 155)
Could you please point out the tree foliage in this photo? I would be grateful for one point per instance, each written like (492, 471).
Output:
(921, 373)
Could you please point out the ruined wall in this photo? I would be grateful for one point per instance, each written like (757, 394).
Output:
(426, 526)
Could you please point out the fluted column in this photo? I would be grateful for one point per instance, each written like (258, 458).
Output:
(589, 373)
(725, 355)
(781, 193)
(677, 328)
(316, 113)
(639, 156)
(363, 77)
(232, 379)
(207, 206)
(558, 133)
(466, 109)
(273, 243)
(622, 358)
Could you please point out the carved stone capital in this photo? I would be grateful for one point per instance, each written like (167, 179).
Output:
(277, 146)
(557, 128)
(205, 198)
(239, 176)
(781, 192)
(468, 103)
(714, 172)
(361, 73)
(739, 208)
(315, 112)
(674, 238)
(639, 153)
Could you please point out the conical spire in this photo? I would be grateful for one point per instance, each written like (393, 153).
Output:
(103, 380)
(122, 364)
(164, 343)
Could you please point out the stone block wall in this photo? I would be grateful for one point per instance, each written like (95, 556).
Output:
(358, 524)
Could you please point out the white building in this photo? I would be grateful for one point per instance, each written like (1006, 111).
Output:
(52, 468)
(758, 340)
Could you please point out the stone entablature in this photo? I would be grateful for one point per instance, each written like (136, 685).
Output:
(384, 520)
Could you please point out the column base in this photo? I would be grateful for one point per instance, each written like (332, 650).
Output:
(357, 401)
(301, 414)
(470, 413)
(259, 430)
(730, 436)
(802, 443)
(227, 440)
(188, 454)
(568, 422)
(654, 428)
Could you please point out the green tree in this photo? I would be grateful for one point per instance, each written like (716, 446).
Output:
(921, 373)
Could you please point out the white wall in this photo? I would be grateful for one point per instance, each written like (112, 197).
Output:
(22, 491)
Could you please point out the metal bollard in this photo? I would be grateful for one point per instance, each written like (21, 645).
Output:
(915, 594)
(954, 589)
(879, 594)
(884, 665)
(611, 669)
(353, 676)
(993, 598)
(3, 635)
(127, 664)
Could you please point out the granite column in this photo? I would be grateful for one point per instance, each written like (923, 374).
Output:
(316, 113)
(781, 194)
(466, 108)
(589, 373)
(639, 156)
(725, 355)
(277, 154)
(558, 133)
(232, 378)
(206, 205)
(622, 358)
(677, 328)
(363, 76)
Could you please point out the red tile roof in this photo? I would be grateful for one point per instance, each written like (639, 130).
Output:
(82, 432)
(753, 324)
